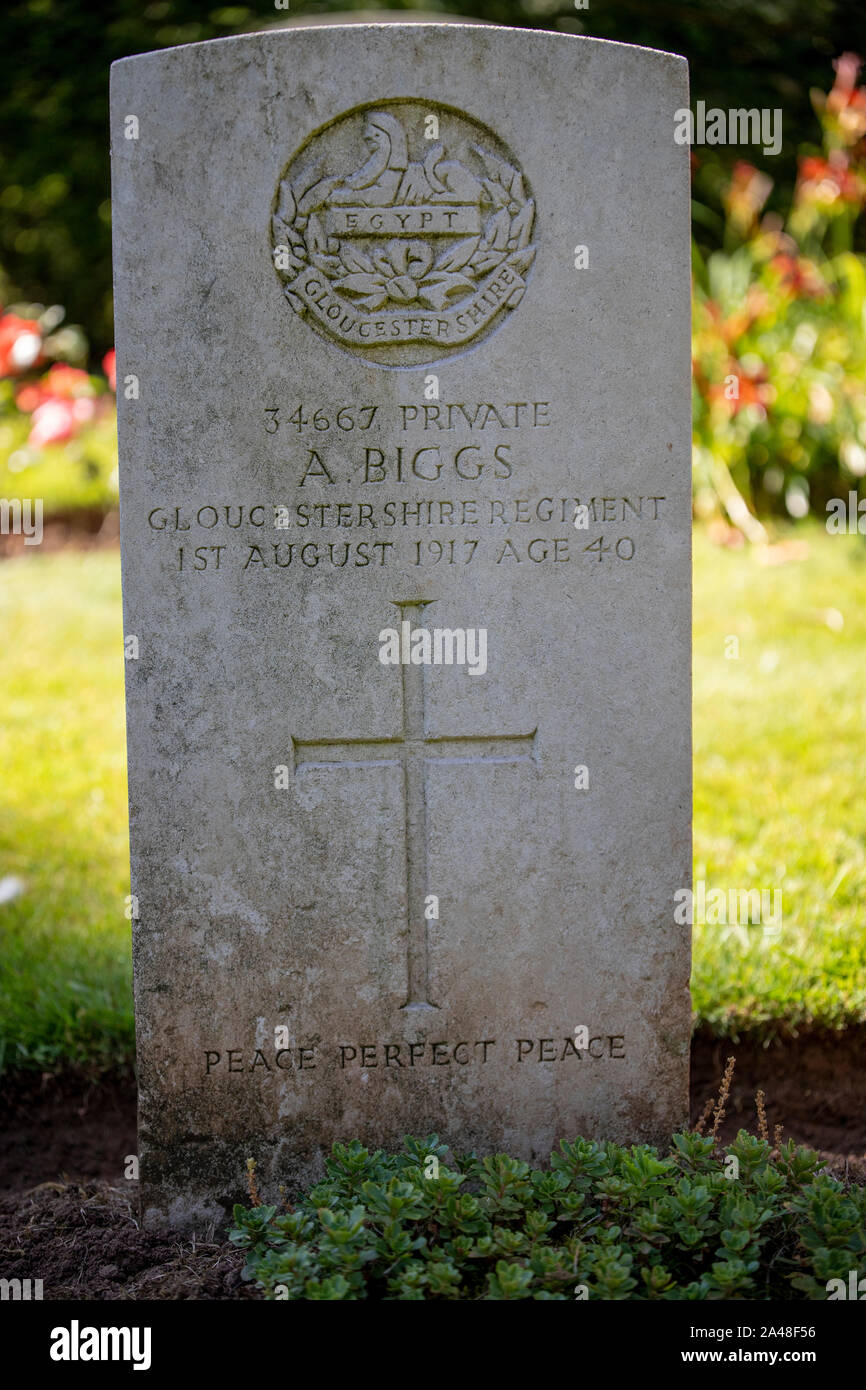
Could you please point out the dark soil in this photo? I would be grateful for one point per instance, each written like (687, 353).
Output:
(83, 1241)
(65, 1127)
(69, 1217)
(85, 528)
(813, 1087)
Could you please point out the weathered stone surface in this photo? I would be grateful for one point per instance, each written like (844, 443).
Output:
(292, 486)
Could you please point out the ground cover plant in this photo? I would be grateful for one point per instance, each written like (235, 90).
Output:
(752, 1221)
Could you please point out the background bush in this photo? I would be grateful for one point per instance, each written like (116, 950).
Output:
(55, 212)
(779, 339)
(779, 264)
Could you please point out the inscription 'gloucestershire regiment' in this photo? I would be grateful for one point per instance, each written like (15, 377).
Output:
(463, 511)
(481, 517)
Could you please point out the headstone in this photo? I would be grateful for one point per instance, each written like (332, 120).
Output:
(403, 342)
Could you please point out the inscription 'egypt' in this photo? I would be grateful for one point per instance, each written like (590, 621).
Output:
(403, 259)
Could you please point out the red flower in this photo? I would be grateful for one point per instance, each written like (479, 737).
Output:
(53, 423)
(20, 344)
(65, 383)
(109, 366)
(61, 402)
(750, 390)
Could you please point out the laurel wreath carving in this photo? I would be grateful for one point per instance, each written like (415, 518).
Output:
(404, 271)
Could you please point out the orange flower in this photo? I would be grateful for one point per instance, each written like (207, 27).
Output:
(799, 276)
(846, 101)
(65, 383)
(745, 389)
(824, 181)
(29, 397)
(60, 383)
(747, 193)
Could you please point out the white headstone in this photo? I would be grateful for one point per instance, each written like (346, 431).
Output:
(403, 346)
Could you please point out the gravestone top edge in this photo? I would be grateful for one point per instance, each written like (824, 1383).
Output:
(415, 28)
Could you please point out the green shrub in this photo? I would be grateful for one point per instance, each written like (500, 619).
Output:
(604, 1222)
(779, 331)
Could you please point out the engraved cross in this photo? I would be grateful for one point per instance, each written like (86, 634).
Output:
(414, 751)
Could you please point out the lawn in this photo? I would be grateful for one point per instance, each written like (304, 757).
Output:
(780, 763)
(65, 969)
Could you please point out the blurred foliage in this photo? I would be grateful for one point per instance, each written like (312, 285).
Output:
(58, 430)
(55, 210)
(779, 262)
(779, 339)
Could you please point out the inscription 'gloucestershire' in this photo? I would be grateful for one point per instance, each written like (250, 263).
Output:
(416, 251)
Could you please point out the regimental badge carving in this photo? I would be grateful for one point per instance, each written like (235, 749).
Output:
(401, 247)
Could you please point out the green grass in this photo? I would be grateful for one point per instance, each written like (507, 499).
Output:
(780, 759)
(66, 967)
(780, 766)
